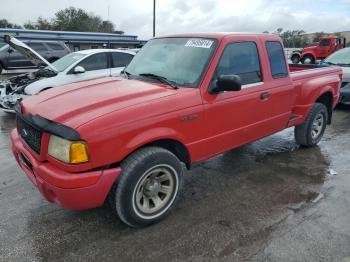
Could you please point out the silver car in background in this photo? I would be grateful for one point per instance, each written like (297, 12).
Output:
(74, 67)
(342, 58)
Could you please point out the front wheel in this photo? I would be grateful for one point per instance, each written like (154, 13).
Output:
(148, 186)
(311, 131)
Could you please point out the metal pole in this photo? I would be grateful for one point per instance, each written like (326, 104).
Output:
(154, 18)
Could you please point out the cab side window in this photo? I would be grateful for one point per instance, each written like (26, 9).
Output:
(95, 62)
(242, 59)
(121, 59)
(277, 59)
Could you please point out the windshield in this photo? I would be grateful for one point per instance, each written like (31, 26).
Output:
(341, 57)
(64, 62)
(180, 60)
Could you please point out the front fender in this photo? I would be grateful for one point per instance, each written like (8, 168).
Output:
(38, 86)
(153, 135)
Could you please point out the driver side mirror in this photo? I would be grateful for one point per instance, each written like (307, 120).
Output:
(10, 50)
(79, 70)
(226, 83)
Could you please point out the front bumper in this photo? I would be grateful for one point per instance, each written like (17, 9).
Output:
(70, 190)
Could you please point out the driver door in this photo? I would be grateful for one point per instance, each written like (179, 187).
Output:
(95, 66)
(238, 117)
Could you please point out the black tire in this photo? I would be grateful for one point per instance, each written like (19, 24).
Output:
(295, 59)
(308, 58)
(1, 69)
(304, 134)
(134, 181)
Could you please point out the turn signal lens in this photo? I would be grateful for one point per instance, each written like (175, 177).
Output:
(78, 153)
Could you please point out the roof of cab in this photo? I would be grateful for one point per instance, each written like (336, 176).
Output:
(220, 35)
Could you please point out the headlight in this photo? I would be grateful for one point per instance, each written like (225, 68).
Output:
(72, 152)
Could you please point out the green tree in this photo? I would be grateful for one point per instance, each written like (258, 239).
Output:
(291, 38)
(69, 19)
(40, 24)
(107, 27)
(6, 24)
(76, 19)
(317, 36)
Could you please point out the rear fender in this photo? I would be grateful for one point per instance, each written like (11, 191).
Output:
(311, 91)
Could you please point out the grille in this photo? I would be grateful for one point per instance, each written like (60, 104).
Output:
(30, 135)
(344, 84)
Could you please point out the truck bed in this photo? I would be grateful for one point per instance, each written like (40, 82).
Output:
(301, 72)
(301, 67)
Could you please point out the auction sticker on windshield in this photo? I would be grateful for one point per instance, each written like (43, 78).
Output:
(203, 43)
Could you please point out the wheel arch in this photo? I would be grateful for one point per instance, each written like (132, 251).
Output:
(326, 98)
(308, 54)
(173, 145)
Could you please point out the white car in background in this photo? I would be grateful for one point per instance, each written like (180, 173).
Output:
(74, 67)
(342, 58)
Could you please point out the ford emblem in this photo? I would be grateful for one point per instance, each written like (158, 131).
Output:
(24, 133)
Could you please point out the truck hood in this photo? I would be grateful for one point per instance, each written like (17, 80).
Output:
(28, 52)
(79, 103)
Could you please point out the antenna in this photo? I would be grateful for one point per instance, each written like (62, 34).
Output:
(154, 18)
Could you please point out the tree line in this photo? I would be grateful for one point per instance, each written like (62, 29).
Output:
(69, 19)
(298, 38)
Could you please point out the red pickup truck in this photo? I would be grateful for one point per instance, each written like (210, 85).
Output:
(319, 51)
(182, 99)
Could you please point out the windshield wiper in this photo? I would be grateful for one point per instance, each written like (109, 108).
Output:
(343, 64)
(161, 79)
(329, 63)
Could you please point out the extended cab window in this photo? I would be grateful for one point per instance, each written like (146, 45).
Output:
(95, 62)
(241, 58)
(121, 59)
(277, 59)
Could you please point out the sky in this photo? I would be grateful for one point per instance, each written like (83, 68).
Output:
(174, 16)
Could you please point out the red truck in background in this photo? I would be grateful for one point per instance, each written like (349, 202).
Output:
(319, 51)
(183, 99)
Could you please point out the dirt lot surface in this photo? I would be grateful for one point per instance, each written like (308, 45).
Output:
(267, 201)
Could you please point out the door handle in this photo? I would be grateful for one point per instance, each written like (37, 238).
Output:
(264, 96)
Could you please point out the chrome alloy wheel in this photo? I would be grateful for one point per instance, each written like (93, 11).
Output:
(317, 126)
(155, 191)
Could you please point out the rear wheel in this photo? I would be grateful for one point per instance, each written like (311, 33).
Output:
(148, 186)
(308, 59)
(311, 131)
(295, 59)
